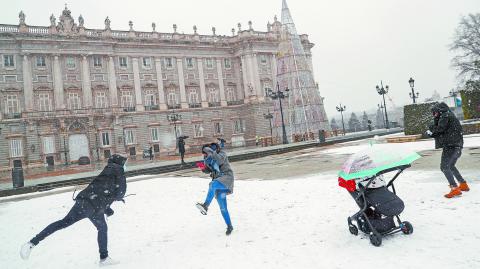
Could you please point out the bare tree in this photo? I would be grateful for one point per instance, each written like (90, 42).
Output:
(467, 45)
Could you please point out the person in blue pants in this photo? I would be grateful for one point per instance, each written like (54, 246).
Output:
(216, 163)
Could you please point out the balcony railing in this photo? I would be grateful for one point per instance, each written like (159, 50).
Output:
(152, 107)
(194, 105)
(213, 104)
(235, 103)
(177, 106)
(128, 109)
(12, 115)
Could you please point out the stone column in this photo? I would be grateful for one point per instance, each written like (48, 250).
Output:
(274, 72)
(138, 87)
(58, 84)
(112, 82)
(256, 78)
(86, 84)
(251, 80)
(245, 79)
(27, 83)
(223, 100)
(181, 81)
(161, 90)
(203, 93)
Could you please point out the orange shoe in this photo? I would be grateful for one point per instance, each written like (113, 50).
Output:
(455, 191)
(464, 186)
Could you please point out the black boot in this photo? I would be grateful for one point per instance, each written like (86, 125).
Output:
(203, 208)
(229, 230)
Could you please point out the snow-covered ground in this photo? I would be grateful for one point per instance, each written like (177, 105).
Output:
(289, 223)
(294, 223)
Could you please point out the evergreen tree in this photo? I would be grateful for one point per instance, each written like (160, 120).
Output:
(334, 125)
(353, 123)
(365, 121)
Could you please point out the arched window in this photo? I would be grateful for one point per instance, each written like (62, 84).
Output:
(213, 95)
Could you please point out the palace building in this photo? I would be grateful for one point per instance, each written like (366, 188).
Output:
(67, 91)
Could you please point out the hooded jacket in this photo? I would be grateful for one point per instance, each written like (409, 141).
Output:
(109, 186)
(446, 128)
(226, 173)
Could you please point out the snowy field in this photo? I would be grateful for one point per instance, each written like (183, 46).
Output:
(295, 223)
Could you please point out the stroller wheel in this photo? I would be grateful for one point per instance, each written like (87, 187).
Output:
(376, 239)
(406, 227)
(353, 229)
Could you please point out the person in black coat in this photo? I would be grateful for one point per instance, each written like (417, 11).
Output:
(448, 135)
(93, 203)
(181, 147)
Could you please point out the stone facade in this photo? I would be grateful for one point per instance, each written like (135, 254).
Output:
(67, 91)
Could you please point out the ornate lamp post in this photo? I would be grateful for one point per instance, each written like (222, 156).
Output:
(280, 95)
(412, 94)
(269, 117)
(174, 117)
(380, 106)
(382, 91)
(341, 109)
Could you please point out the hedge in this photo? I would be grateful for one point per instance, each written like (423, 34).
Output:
(470, 104)
(418, 117)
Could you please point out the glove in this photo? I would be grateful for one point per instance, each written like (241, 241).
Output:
(429, 133)
(109, 212)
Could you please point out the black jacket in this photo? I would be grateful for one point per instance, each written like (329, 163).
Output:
(446, 128)
(109, 186)
(181, 145)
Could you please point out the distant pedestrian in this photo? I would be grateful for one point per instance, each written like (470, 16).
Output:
(222, 142)
(93, 203)
(150, 153)
(181, 147)
(257, 140)
(448, 135)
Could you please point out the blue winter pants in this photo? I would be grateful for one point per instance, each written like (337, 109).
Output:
(82, 209)
(218, 190)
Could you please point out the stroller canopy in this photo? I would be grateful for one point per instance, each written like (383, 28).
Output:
(375, 159)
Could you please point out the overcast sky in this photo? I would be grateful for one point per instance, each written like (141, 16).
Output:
(357, 43)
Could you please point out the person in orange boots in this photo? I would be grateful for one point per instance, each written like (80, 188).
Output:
(448, 135)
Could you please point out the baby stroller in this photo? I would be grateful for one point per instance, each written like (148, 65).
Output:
(379, 207)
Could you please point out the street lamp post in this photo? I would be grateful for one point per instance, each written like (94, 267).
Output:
(174, 117)
(380, 106)
(269, 117)
(412, 94)
(382, 91)
(341, 109)
(280, 95)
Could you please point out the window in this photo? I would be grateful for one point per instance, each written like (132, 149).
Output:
(12, 105)
(41, 62)
(263, 59)
(217, 128)
(127, 99)
(268, 89)
(122, 61)
(44, 102)
(101, 100)
(8, 61)
(147, 62)
(238, 126)
(48, 144)
(97, 61)
(227, 63)
(129, 137)
(213, 95)
(178, 130)
(193, 96)
(98, 77)
(209, 63)
(168, 63)
(150, 99)
(105, 139)
(154, 134)
(70, 62)
(197, 130)
(172, 98)
(73, 100)
(16, 149)
(189, 62)
(231, 95)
